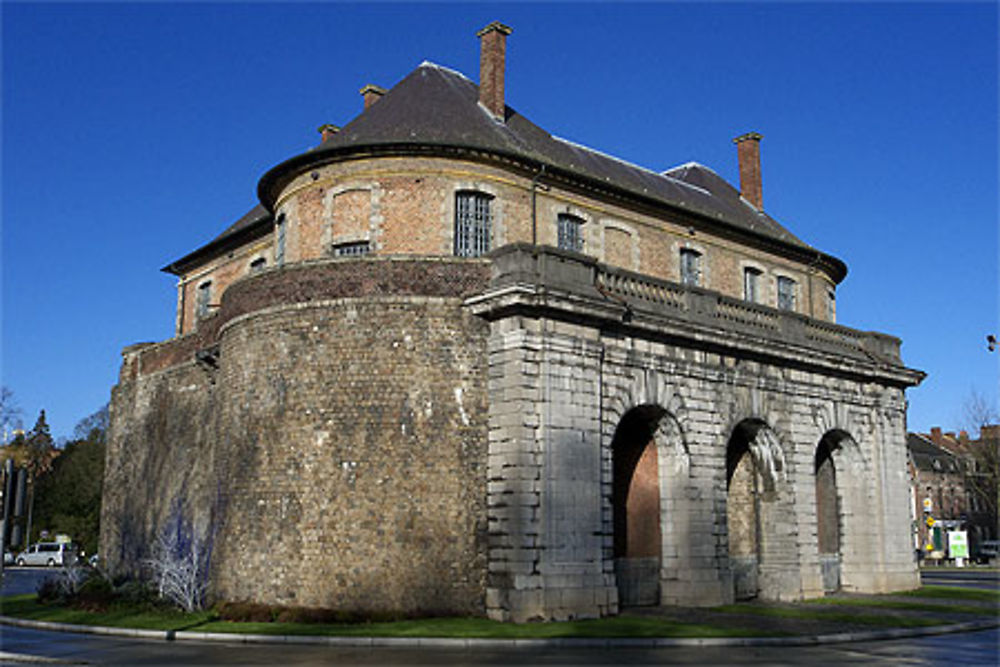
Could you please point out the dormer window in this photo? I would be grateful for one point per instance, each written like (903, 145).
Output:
(690, 267)
(751, 284)
(570, 232)
(473, 223)
(786, 293)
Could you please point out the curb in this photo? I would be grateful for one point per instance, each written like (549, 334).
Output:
(448, 643)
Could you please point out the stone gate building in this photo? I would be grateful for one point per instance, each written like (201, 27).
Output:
(454, 364)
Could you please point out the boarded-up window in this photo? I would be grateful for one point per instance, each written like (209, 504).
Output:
(351, 212)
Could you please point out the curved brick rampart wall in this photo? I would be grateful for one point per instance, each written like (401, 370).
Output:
(335, 454)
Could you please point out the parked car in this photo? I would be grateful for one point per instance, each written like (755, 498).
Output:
(987, 550)
(48, 553)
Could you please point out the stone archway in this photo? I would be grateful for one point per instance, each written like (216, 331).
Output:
(755, 465)
(636, 506)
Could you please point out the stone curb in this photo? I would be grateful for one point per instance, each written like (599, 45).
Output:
(448, 643)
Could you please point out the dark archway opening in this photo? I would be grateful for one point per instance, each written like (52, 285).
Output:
(636, 506)
(828, 513)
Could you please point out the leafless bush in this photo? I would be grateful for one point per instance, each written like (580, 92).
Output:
(69, 579)
(178, 572)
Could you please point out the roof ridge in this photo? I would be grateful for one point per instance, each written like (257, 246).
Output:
(629, 164)
(450, 70)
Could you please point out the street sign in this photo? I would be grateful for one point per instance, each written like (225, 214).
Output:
(930, 522)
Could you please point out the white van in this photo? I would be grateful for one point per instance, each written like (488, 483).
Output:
(48, 553)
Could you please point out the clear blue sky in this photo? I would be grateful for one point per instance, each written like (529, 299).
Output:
(133, 133)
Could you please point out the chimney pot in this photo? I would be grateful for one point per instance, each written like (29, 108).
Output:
(371, 93)
(327, 130)
(748, 153)
(492, 63)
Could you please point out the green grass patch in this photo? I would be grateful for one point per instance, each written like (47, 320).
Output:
(905, 606)
(124, 616)
(481, 628)
(119, 616)
(955, 593)
(881, 620)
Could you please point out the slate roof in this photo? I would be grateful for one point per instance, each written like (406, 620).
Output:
(438, 107)
(924, 453)
(255, 223)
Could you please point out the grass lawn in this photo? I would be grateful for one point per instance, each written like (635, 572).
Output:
(886, 611)
(27, 606)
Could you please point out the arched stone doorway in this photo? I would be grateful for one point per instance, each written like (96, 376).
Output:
(754, 462)
(636, 506)
(828, 514)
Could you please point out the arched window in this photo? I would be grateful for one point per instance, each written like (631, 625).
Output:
(473, 223)
(570, 232)
(690, 267)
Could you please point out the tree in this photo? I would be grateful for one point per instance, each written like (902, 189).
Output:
(10, 414)
(983, 452)
(69, 495)
(39, 454)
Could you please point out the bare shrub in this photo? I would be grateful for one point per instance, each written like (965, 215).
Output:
(178, 570)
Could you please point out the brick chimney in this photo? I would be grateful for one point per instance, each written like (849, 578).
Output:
(371, 93)
(748, 151)
(936, 435)
(327, 130)
(492, 61)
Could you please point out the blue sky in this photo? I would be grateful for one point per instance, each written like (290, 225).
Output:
(133, 133)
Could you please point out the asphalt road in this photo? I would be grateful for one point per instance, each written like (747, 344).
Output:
(974, 648)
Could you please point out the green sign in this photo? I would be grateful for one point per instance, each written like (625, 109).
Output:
(958, 544)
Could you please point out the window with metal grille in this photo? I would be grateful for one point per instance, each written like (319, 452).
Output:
(786, 293)
(473, 223)
(352, 249)
(690, 266)
(279, 233)
(204, 298)
(751, 284)
(570, 230)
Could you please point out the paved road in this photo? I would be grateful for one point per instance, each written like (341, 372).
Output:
(965, 577)
(974, 648)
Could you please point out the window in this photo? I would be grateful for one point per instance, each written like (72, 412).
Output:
(751, 284)
(831, 305)
(353, 249)
(690, 266)
(473, 223)
(258, 265)
(570, 232)
(786, 293)
(279, 233)
(204, 298)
